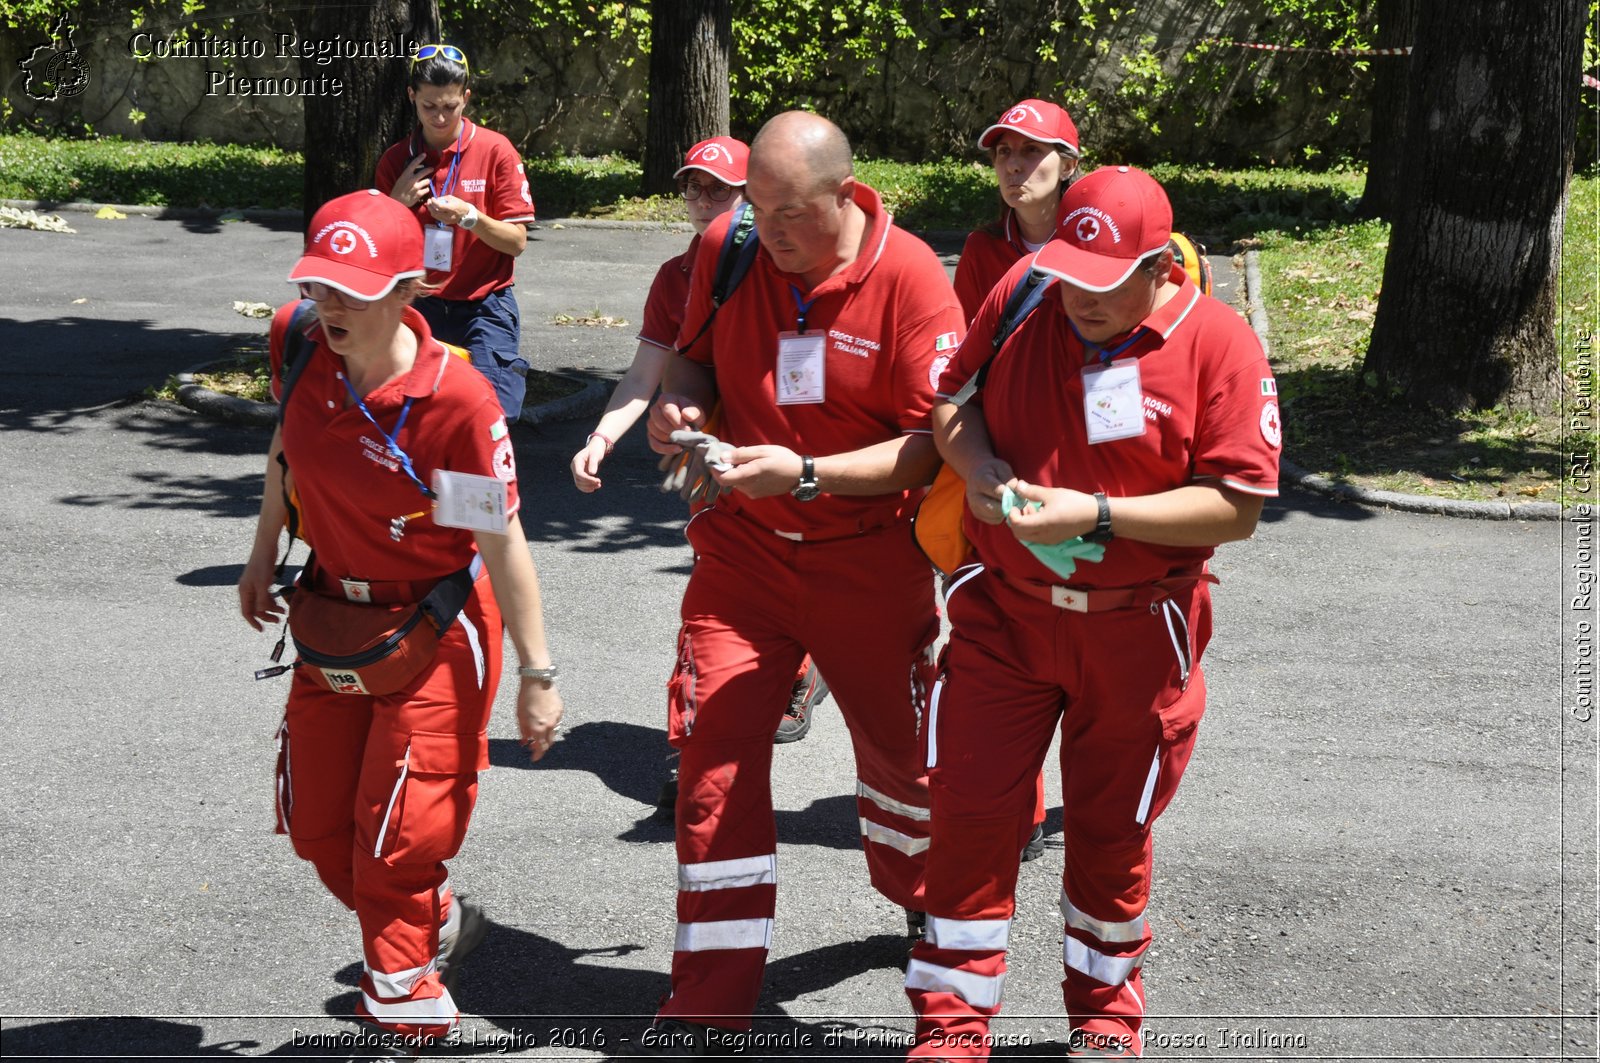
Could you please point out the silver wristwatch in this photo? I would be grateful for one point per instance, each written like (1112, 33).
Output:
(547, 674)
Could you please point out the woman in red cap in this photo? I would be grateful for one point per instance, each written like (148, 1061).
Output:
(405, 488)
(1034, 148)
(712, 183)
(468, 190)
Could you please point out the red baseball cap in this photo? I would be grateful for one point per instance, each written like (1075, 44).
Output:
(1037, 120)
(1107, 224)
(362, 244)
(722, 157)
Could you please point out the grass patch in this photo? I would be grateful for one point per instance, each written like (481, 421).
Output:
(1321, 289)
(155, 173)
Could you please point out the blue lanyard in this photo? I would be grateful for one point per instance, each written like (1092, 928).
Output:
(451, 174)
(394, 448)
(1105, 354)
(802, 307)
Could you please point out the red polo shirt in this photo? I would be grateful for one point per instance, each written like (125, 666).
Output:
(985, 259)
(890, 320)
(352, 491)
(663, 309)
(491, 178)
(1210, 407)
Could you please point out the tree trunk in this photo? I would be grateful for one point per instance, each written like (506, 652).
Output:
(1467, 315)
(346, 134)
(689, 45)
(1391, 75)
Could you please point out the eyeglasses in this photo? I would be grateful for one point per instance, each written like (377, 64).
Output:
(448, 51)
(692, 190)
(317, 292)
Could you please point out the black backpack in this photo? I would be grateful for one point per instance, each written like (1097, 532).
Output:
(733, 262)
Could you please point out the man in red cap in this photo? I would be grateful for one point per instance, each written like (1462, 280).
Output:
(1124, 430)
(822, 359)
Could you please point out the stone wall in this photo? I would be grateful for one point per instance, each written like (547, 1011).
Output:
(1149, 87)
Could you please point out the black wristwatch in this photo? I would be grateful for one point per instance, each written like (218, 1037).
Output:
(807, 488)
(1102, 524)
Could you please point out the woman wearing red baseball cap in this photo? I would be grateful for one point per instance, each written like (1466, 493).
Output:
(1034, 148)
(711, 181)
(404, 486)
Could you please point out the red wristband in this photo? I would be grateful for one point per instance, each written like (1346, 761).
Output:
(611, 444)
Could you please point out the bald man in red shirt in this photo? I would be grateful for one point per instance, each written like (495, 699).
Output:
(824, 360)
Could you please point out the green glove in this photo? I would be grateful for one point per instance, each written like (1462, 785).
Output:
(1061, 558)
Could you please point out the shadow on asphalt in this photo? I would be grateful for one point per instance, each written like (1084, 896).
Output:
(94, 362)
(1300, 500)
(117, 1038)
(632, 762)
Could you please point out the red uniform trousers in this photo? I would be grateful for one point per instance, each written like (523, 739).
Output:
(376, 792)
(755, 604)
(1126, 689)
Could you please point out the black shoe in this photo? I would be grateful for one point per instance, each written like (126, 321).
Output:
(916, 927)
(674, 1037)
(471, 928)
(667, 799)
(808, 692)
(1035, 847)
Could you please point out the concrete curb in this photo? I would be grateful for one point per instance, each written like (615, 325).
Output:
(202, 400)
(1256, 309)
(78, 206)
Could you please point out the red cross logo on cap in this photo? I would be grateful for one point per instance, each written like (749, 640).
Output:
(1088, 229)
(343, 241)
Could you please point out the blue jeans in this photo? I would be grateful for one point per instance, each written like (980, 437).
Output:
(491, 330)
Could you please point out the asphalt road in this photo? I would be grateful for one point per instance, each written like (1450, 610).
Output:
(1384, 848)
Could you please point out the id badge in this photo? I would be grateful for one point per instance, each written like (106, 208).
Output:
(1113, 404)
(439, 247)
(466, 500)
(802, 361)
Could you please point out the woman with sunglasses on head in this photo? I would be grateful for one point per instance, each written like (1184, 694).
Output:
(378, 764)
(1034, 150)
(469, 191)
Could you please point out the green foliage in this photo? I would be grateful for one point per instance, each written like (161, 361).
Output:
(943, 195)
(576, 187)
(35, 16)
(111, 170)
(781, 44)
(1221, 206)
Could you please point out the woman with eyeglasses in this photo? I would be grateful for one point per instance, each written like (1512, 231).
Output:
(1034, 150)
(469, 191)
(381, 429)
(711, 181)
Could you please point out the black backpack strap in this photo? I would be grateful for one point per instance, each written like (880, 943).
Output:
(739, 247)
(290, 367)
(1024, 300)
(449, 596)
(294, 346)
